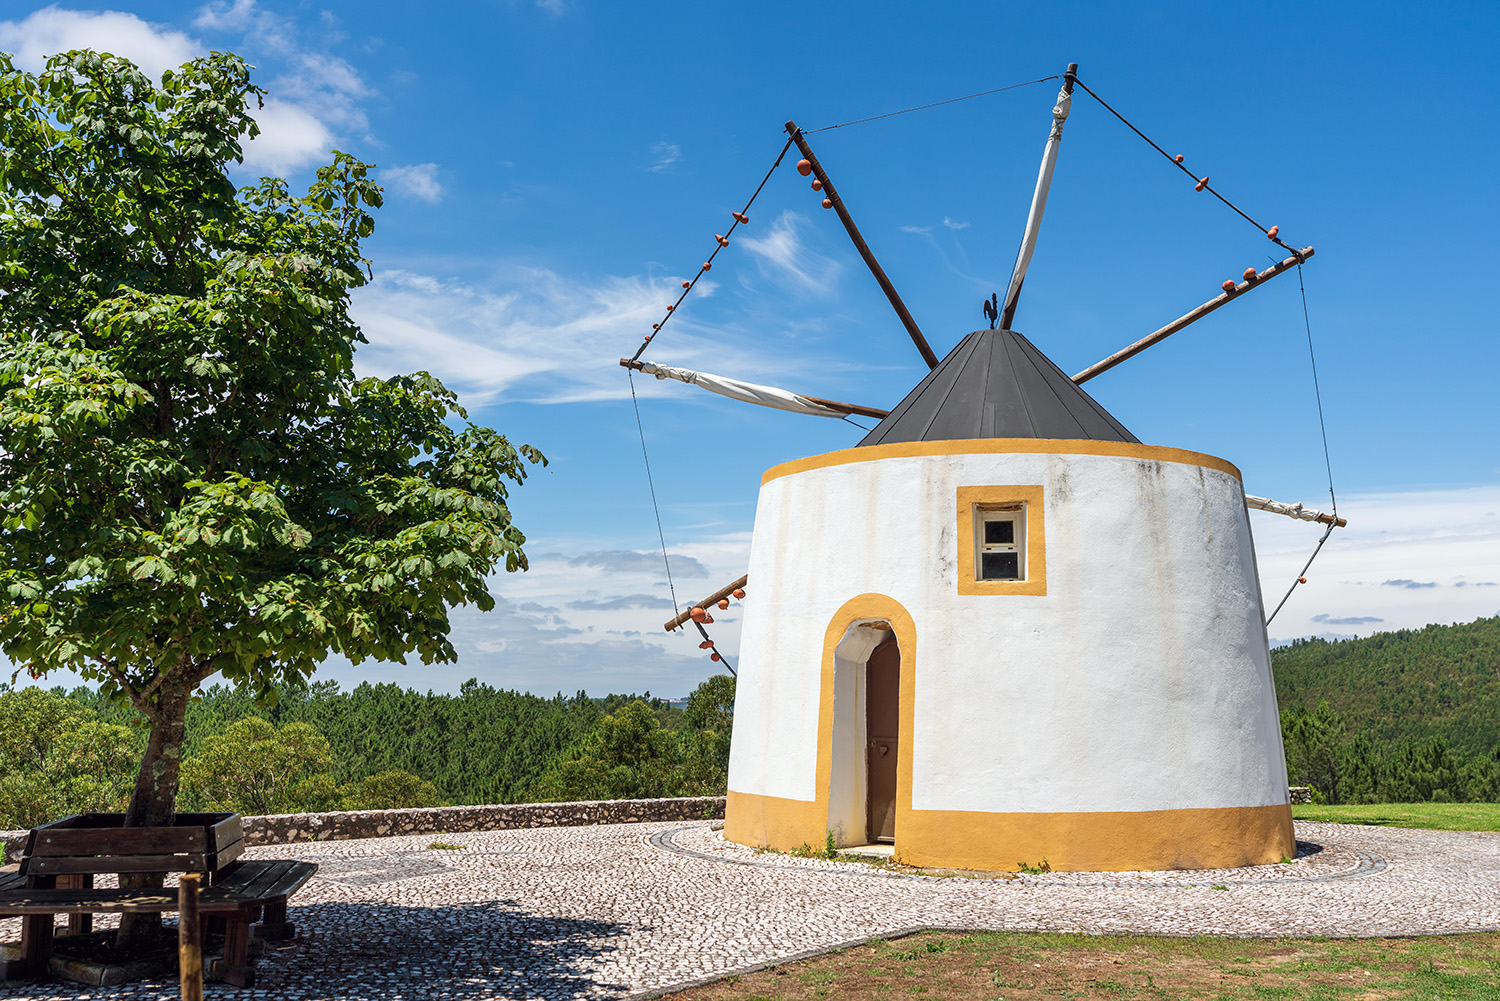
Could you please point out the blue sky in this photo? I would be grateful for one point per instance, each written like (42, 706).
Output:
(555, 169)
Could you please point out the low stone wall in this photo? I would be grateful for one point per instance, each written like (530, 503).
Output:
(1300, 794)
(289, 828)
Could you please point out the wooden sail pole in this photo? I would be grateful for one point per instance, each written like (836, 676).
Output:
(717, 596)
(837, 204)
(1197, 314)
(1039, 198)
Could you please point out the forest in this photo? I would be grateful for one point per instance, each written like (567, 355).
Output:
(1405, 716)
(376, 747)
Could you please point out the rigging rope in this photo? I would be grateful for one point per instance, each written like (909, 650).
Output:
(1200, 183)
(935, 104)
(1327, 460)
(723, 241)
(659, 533)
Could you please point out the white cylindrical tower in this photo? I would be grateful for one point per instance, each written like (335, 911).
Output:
(999, 648)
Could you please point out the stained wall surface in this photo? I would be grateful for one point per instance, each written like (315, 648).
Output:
(1134, 696)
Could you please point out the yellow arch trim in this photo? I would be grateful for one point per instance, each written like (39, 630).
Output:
(988, 446)
(785, 824)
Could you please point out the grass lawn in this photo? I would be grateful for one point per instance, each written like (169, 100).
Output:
(1009, 965)
(1441, 816)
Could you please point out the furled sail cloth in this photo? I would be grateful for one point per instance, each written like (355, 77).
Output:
(1290, 510)
(748, 392)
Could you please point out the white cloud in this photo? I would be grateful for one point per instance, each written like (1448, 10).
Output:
(554, 7)
(665, 154)
(419, 180)
(1404, 561)
(783, 256)
(315, 100)
(260, 27)
(954, 225)
(51, 30)
(918, 230)
(534, 335)
(291, 136)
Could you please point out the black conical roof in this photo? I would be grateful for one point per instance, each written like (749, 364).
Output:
(996, 384)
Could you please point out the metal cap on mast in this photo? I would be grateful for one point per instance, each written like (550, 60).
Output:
(1039, 198)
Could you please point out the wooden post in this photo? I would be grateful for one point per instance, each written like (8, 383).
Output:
(718, 595)
(864, 251)
(1187, 318)
(190, 937)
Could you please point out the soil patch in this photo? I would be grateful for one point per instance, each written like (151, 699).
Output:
(989, 966)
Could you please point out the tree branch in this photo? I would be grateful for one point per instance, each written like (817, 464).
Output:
(136, 698)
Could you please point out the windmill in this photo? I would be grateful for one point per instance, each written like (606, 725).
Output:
(1001, 628)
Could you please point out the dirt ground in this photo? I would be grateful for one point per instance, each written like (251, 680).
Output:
(993, 966)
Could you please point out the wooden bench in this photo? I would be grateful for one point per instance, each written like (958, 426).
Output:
(60, 861)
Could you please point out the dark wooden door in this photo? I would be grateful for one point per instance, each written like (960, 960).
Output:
(882, 730)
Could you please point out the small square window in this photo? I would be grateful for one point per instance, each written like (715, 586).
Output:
(1000, 542)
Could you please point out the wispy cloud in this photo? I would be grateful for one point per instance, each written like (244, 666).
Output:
(51, 30)
(919, 230)
(663, 155)
(951, 224)
(419, 180)
(529, 334)
(314, 102)
(554, 7)
(1347, 620)
(624, 601)
(783, 256)
(632, 561)
(1393, 562)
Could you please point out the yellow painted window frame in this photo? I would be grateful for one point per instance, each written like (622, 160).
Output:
(980, 497)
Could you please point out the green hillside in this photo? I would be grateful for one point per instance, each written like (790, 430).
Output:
(1438, 682)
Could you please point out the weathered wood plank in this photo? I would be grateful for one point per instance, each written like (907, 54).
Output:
(112, 901)
(118, 863)
(226, 832)
(293, 879)
(119, 841)
(236, 877)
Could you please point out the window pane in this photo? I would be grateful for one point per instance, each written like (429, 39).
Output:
(999, 566)
(999, 532)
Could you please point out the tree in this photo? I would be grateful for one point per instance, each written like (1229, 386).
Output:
(708, 722)
(390, 790)
(192, 479)
(254, 767)
(55, 759)
(627, 755)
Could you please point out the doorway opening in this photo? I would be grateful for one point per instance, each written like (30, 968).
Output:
(866, 736)
(882, 740)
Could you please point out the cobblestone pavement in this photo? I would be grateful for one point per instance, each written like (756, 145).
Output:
(623, 910)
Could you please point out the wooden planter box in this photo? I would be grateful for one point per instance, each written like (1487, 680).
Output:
(196, 842)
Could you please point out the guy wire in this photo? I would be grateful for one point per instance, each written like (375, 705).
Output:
(654, 507)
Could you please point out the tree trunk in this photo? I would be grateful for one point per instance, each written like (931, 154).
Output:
(154, 802)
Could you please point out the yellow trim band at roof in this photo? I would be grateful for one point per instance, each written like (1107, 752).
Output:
(990, 446)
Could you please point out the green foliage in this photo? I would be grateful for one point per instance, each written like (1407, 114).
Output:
(1353, 769)
(192, 479)
(629, 754)
(391, 790)
(1441, 681)
(255, 767)
(56, 760)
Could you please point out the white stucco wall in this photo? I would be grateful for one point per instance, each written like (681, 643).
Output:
(1140, 681)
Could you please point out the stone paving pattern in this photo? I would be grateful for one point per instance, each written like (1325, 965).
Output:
(628, 909)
